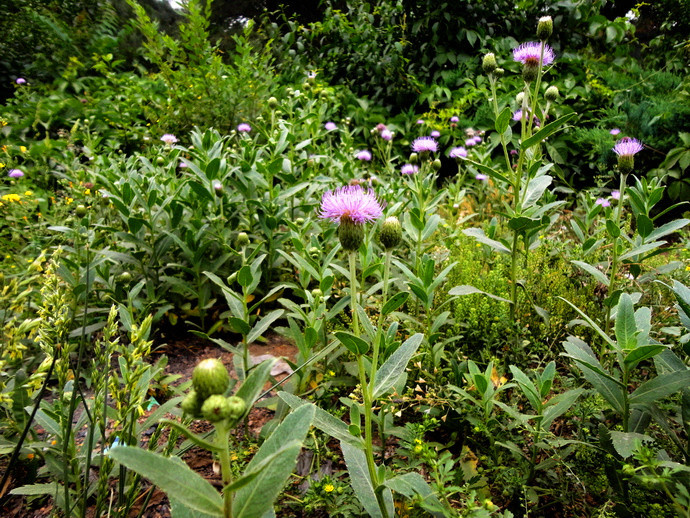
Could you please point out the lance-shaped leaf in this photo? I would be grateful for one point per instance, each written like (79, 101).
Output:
(356, 463)
(395, 365)
(660, 387)
(479, 235)
(546, 131)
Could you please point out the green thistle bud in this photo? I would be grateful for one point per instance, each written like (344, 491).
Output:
(242, 239)
(272, 102)
(519, 98)
(314, 252)
(530, 71)
(499, 72)
(216, 408)
(489, 64)
(237, 407)
(80, 211)
(124, 278)
(191, 404)
(299, 221)
(350, 234)
(551, 94)
(436, 164)
(544, 28)
(160, 160)
(414, 158)
(210, 377)
(391, 233)
(317, 294)
(626, 163)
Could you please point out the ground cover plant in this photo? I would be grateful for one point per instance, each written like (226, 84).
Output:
(481, 282)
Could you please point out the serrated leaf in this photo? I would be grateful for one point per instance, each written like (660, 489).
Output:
(625, 443)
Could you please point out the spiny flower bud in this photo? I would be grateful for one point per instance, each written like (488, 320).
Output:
(499, 72)
(80, 211)
(272, 102)
(317, 294)
(350, 233)
(436, 164)
(391, 233)
(551, 93)
(520, 97)
(489, 64)
(544, 28)
(242, 239)
(210, 377)
(216, 408)
(414, 158)
(191, 404)
(237, 407)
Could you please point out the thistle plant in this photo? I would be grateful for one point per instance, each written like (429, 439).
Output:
(352, 208)
(249, 495)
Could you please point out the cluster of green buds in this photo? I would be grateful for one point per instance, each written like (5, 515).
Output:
(207, 400)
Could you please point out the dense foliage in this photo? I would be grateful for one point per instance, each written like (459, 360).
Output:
(479, 253)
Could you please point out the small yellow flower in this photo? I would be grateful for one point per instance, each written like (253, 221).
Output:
(328, 488)
(69, 200)
(22, 149)
(87, 192)
(28, 193)
(418, 448)
(11, 197)
(2, 165)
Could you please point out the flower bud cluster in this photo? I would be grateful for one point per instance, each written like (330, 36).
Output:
(206, 399)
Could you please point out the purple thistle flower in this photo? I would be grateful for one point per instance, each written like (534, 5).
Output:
(616, 195)
(458, 152)
(409, 169)
(330, 126)
(351, 202)
(615, 131)
(183, 165)
(363, 155)
(603, 202)
(420, 121)
(477, 139)
(627, 147)
(244, 128)
(424, 144)
(470, 142)
(454, 119)
(15, 173)
(20, 81)
(435, 134)
(517, 115)
(386, 134)
(529, 53)
(169, 139)
(481, 177)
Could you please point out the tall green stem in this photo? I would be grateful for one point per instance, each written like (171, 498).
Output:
(504, 145)
(226, 472)
(614, 258)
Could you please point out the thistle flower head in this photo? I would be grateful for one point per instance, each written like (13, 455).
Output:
(458, 152)
(435, 134)
(386, 134)
(529, 53)
(330, 126)
(603, 202)
(351, 202)
(244, 128)
(626, 148)
(425, 144)
(455, 119)
(169, 139)
(363, 155)
(615, 131)
(481, 177)
(20, 81)
(15, 173)
(616, 195)
(409, 169)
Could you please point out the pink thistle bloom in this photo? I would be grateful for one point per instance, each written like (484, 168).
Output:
(616, 195)
(386, 134)
(477, 139)
(529, 54)
(20, 81)
(169, 139)
(351, 202)
(454, 119)
(628, 147)
(517, 115)
(330, 126)
(435, 134)
(244, 128)
(458, 152)
(363, 155)
(470, 142)
(15, 173)
(420, 121)
(615, 131)
(481, 177)
(424, 144)
(603, 202)
(183, 165)
(409, 169)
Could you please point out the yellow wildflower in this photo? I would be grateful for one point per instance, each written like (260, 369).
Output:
(11, 197)
(69, 200)
(28, 193)
(2, 165)
(87, 192)
(328, 488)
(22, 149)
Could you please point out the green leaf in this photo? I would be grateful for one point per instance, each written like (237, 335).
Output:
(284, 444)
(173, 477)
(253, 385)
(37, 489)
(239, 326)
(353, 343)
(535, 190)
(645, 226)
(503, 120)
(413, 484)
(625, 443)
(487, 170)
(262, 325)
(558, 405)
(643, 249)
(324, 421)
(361, 481)
(594, 271)
(641, 353)
(626, 328)
(660, 387)
(546, 131)
(479, 235)
(613, 230)
(470, 290)
(668, 228)
(199, 441)
(245, 277)
(395, 365)
(395, 302)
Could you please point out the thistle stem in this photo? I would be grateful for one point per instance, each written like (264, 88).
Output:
(614, 258)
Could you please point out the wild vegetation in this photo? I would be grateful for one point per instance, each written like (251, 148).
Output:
(468, 219)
